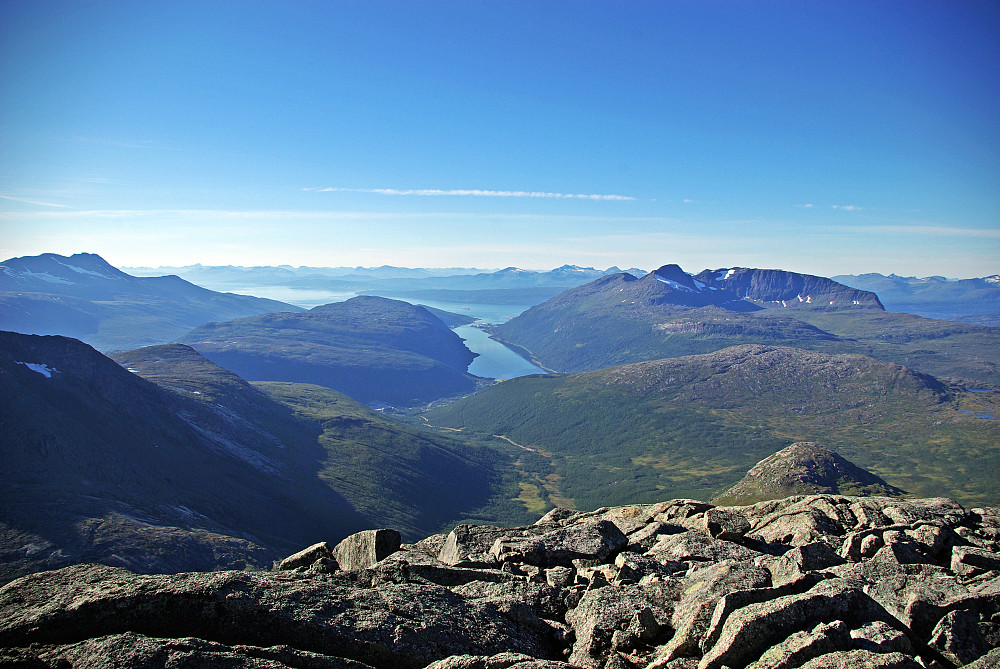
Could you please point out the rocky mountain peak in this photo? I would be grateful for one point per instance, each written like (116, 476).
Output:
(805, 468)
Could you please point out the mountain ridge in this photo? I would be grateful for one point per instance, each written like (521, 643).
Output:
(377, 350)
(84, 297)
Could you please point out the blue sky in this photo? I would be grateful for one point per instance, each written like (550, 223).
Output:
(823, 137)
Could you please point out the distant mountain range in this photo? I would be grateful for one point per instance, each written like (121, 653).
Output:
(510, 285)
(692, 426)
(620, 319)
(82, 296)
(967, 300)
(175, 464)
(377, 350)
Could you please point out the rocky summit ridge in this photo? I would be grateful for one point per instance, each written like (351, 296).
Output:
(815, 581)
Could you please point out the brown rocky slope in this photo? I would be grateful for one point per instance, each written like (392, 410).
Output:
(807, 581)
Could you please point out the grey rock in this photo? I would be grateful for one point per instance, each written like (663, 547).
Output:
(914, 594)
(589, 540)
(900, 552)
(559, 576)
(803, 646)
(697, 546)
(957, 637)
(817, 581)
(469, 545)
(968, 561)
(863, 659)
(129, 650)
(644, 538)
(602, 612)
(395, 625)
(703, 588)
(306, 556)
(557, 515)
(800, 560)
(880, 637)
(500, 661)
(990, 660)
(725, 524)
(364, 549)
(738, 599)
(751, 630)
(545, 601)
(803, 520)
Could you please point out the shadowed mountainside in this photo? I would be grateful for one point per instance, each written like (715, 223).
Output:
(197, 469)
(376, 350)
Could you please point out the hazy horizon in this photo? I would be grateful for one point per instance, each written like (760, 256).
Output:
(823, 138)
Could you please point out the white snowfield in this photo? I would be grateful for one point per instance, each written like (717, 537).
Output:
(41, 368)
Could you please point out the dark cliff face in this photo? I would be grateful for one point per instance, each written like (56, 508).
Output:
(774, 285)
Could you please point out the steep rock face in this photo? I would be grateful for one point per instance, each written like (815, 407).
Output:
(808, 581)
(805, 468)
(775, 286)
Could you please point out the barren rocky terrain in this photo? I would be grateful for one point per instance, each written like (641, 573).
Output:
(818, 581)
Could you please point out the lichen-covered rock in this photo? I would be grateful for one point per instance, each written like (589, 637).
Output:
(394, 625)
(726, 524)
(364, 549)
(603, 612)
(862, 659)
(501, 661)
(306, 556)
(590, 540)
(801, 647)
(703, 588)
(134, 650)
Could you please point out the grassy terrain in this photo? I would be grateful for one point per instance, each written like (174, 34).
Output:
(693, 426)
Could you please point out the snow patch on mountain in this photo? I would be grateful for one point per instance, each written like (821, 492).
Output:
(674, 284)
(90, 272)
(41, 276)
(41, 368)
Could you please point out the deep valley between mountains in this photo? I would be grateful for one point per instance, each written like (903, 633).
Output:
(736, 468)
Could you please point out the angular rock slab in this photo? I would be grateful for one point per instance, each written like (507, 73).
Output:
(400, 626)
(589, 540)
(365, 549)
(134, 650)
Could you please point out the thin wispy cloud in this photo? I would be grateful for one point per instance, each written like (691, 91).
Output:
(34, 202)
(846, 207)
(472, 192)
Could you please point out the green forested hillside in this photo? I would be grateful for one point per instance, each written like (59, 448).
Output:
(693, 426)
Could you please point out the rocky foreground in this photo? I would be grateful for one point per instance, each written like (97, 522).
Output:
(820, 581)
